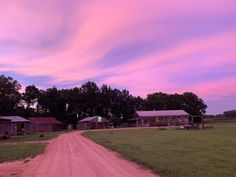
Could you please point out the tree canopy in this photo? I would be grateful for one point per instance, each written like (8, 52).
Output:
(31, 95)
(9, 95)
(187, 101)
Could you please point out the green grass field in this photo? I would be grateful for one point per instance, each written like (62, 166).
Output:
(177, 153)
(31, 137)
(20, 151)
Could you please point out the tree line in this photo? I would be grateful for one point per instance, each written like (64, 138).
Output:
(71, 105)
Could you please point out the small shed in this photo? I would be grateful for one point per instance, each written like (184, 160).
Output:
(161, 118)
(4, 127)
(95, 122)
(45, 124)
(18, 125)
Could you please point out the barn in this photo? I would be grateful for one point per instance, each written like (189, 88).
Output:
(161, 118)
(18, 125)
(95, 122)
(45, 124)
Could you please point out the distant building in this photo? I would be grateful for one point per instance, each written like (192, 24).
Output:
(95, 122)
(45, 124)
(18, 125)
(160, 118)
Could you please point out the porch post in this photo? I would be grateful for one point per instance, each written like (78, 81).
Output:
(203, 125)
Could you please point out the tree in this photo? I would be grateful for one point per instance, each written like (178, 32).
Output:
(31, 95)
(89, 98)
(187, 101)
(9, 95)
(138, 103)
(105, 100)
(158, 101)
(53, 103)
(193, 105)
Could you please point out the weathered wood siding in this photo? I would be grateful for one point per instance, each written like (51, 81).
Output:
(20, 128)
(164, 121)
(45, 127)
(92, 125)
(5, 127)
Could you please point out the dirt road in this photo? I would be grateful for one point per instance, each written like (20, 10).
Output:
(71, 155)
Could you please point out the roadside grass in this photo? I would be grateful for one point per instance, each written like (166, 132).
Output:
(20, 151)
(176, 153)
(31, 137)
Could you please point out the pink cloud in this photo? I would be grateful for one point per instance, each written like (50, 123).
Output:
(21, 22)
(152, 73)
(216, 89)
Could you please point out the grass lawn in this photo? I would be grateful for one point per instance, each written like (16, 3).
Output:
(11, 152)
(31, 137)
(20, 151)
(177, 153)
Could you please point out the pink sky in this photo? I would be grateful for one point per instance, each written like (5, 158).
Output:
(143, 46)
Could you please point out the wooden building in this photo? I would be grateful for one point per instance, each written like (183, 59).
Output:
(95, 122)
(17, 125)
(45, 124)
(160, 118)
(5, 125)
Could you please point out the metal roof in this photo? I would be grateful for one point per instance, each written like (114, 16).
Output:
(15, 118)
(7, 120)
(161, 113)
(88, 119)
(94, 118)
(44, 120)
